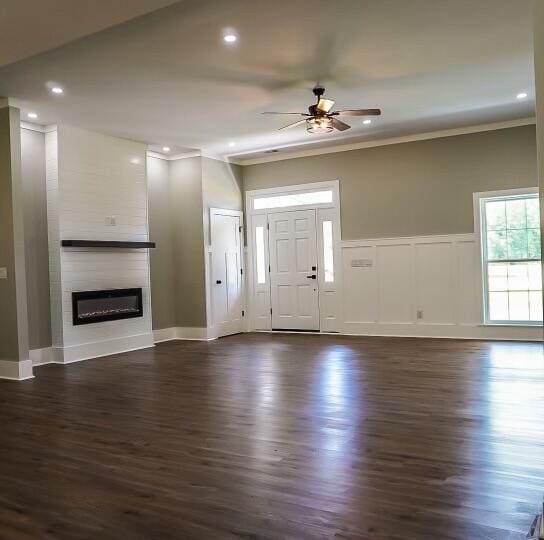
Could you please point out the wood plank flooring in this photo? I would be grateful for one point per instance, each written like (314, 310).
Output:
(263, 436)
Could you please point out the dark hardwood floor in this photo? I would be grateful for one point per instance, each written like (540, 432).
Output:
(278, 437)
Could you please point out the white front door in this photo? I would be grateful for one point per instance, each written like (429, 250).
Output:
(226, 272)
(293, 270)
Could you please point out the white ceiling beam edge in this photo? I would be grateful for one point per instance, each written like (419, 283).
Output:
(174, 157)
(186, 155)
(33, 127)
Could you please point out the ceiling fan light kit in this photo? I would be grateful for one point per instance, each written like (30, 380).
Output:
(319, 125)
(320, 117)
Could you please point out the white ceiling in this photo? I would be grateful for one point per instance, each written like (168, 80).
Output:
(167, 78)
(29, 27)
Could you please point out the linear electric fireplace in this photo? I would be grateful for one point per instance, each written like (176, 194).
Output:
(98, 306)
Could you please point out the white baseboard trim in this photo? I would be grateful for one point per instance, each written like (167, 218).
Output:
(421, 335)
(444, 331)
(16, 371)
(421, 330)
(41, 357)
(88, 351)
(164, 334)
(185, 333)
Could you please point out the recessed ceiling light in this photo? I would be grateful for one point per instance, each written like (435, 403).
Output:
(232, 144)
(32, 115)
(57, 90)
(229, 35)
(166, 149)
(366, 122)
(522, 95)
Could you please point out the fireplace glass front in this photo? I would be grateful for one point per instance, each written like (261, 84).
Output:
(98, 306)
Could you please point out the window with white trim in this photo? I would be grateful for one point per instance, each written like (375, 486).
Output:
(293, 199)
(511, 257)
(259, 245)
(328, 252)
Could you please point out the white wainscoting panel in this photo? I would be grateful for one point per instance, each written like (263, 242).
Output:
(467, 278)
(395, 278)
(425, 286)
(435, 300)
(360, 305)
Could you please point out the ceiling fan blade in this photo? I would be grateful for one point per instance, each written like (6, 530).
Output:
(358, 112)
(294, 124)
(274, 112)
(325, 105)
(339, 125)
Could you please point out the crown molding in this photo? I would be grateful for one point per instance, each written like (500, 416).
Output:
(381, 142)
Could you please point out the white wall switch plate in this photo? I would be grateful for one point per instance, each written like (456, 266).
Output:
(3, 273)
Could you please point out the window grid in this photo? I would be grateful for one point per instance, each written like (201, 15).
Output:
(511, 256)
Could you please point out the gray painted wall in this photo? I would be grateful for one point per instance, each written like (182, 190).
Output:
(13, 300)
(416, 188)
(221, 188)
(186, 211)
(36, 245)
(8, 313)
(163, 276)
(181, 193)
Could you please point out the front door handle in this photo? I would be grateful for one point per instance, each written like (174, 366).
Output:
(313, 276)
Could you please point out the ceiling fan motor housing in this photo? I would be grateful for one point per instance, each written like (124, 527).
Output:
(318, 91)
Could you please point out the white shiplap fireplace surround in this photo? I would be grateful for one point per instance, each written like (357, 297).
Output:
(96, 190)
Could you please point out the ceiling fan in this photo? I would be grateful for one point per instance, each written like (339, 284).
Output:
(321, 118)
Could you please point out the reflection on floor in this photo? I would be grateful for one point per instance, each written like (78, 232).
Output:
(278, 436)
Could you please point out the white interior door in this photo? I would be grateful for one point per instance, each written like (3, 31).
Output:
(293, 270)
(226, 272)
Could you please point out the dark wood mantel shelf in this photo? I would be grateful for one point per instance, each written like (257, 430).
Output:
(106, 244)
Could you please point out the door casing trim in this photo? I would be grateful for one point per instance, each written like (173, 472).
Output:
(327, 211)
(213, 329)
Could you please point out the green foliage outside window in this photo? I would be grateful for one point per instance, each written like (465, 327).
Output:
(513, 229)
(512, 265)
